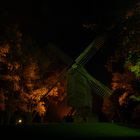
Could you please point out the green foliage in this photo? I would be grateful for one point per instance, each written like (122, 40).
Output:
(126, 53)
(135, 98)
(136, 69)
(133, 63)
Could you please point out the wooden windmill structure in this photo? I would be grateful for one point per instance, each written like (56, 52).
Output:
(80, 84)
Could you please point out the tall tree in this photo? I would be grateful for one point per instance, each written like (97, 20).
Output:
(27, 75)
(124, 62)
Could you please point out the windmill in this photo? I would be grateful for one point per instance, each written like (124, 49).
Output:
(80, 84)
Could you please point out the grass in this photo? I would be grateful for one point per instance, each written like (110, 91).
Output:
(74, 130)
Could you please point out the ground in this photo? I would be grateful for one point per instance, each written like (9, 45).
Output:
(72, 130)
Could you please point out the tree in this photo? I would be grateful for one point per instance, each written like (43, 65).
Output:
(27, 75)
(124, 62)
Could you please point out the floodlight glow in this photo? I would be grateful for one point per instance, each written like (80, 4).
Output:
(20, 121)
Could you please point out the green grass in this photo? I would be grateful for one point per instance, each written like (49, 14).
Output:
(76, 130)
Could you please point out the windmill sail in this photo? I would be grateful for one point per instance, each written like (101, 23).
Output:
(90, 50)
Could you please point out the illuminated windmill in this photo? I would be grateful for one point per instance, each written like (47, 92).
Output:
(80, 84)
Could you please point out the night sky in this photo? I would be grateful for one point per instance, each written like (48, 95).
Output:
(62, 23)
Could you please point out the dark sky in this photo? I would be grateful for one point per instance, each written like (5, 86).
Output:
(62, 23)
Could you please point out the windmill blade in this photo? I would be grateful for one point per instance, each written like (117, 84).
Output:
(60, 54)
(101, 89)
(90, 50)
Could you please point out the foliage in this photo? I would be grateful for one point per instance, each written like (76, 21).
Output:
(28, 76)
(133, 63)
(124, 64)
